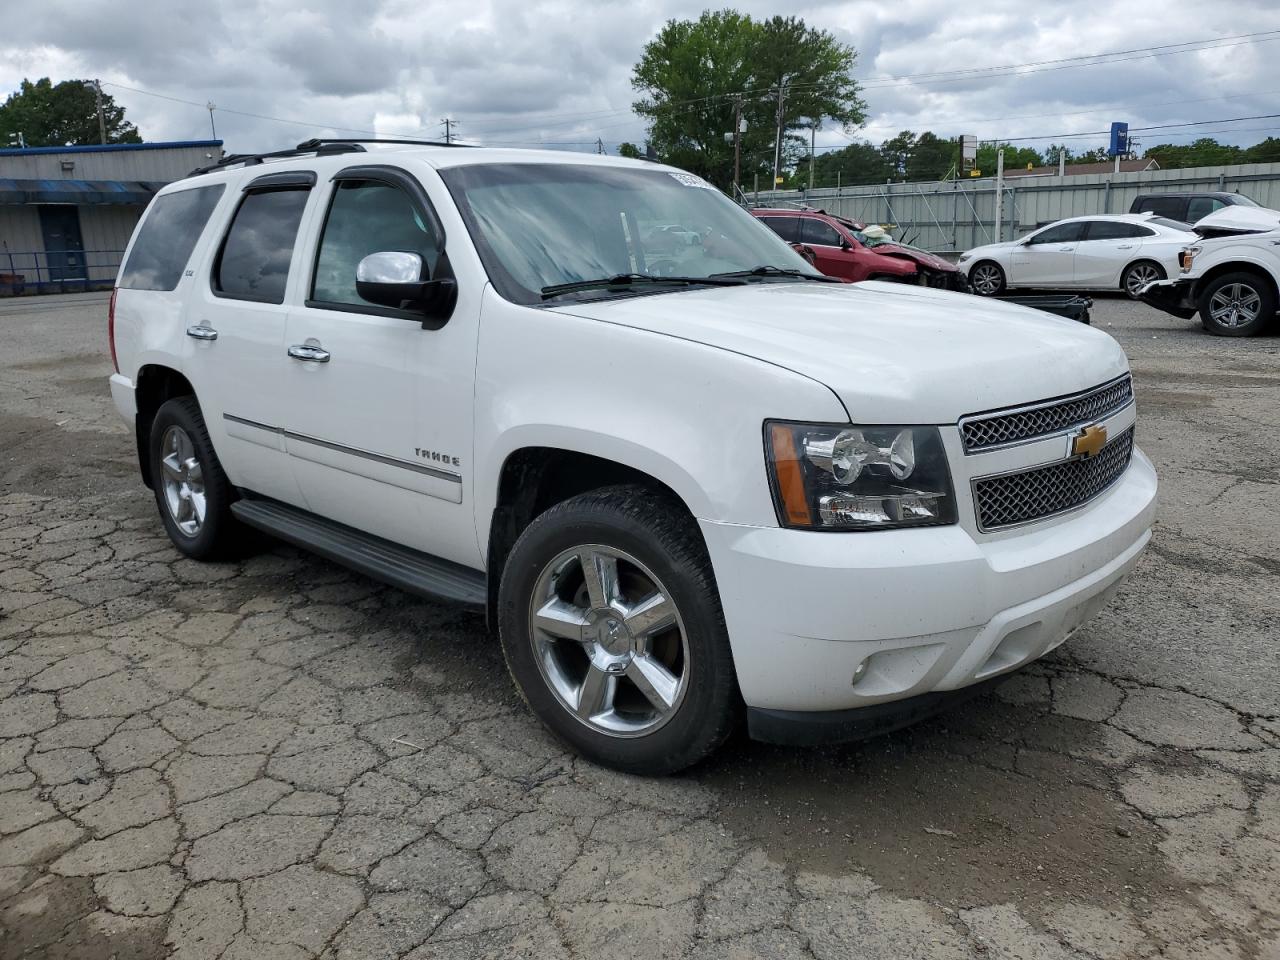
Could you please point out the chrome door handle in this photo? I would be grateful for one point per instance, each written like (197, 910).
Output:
(1125, 246)
(199, 332)
(312, 354)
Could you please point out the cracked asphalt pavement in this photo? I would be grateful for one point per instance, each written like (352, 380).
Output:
(277, 758)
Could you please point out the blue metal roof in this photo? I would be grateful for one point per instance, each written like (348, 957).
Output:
(128, 192)
(108, 147)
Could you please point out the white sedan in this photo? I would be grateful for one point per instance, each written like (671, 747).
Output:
(1123, 251)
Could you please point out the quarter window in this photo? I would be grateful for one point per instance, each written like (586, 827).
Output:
(254, 261)
(168, 234)
(367, 216)
(819, 233)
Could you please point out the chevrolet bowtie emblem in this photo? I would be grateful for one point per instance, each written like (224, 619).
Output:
(1089, 441)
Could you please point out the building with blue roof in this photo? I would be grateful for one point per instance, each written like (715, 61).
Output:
(66, 213)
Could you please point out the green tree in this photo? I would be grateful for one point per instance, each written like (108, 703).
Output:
(932, 158)
(62, 114)
(1268, 151)
(692, 75)
(1015, 158)
(630, 150)
(858, 163)
(896, 152)
(1205, 152)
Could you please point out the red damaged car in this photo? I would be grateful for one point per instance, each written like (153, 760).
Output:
(852, 251)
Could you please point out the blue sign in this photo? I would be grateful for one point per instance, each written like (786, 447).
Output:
(1119, 140)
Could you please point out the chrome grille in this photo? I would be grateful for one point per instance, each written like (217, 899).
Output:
(1014, 498)
(985, 431)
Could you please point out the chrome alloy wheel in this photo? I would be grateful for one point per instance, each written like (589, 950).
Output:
(609, 641)
(1235, 305)
(1138, 277)
(182, 478)
(985, 279)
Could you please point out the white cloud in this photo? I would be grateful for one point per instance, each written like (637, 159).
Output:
(558, 71)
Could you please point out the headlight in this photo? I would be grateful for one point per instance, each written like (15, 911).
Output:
(1185, 256)
(858, 478)
(963, 257)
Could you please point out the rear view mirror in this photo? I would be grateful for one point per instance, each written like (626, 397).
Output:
(393, 278)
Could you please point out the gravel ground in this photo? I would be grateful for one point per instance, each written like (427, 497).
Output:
(279, 759)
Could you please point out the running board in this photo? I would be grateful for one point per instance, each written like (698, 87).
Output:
(380, 559)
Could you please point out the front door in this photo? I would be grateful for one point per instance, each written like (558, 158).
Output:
(834, 257)
(64, 248)
(379, 408)
(1047, 258)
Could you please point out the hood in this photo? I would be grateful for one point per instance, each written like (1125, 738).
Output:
(892, 353)
(1238, 218)
(988, 249)
(919, 256)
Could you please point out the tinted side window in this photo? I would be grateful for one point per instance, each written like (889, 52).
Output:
(788, 228)
(1171, 207)
(168, 234)
(1061, 233)
(367, 216)
(1202, 206)
(823, 234)
(1114, 230)
(254, 261)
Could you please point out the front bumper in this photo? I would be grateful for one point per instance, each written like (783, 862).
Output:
(1176, 297)
(914, 612)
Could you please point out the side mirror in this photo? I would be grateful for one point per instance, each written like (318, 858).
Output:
(393, 278)
(845, 244)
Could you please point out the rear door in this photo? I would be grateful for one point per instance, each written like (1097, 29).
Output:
(1047, 259)
(1107, 248)
(235, 332)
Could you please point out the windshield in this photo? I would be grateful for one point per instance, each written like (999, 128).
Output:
(538, 225)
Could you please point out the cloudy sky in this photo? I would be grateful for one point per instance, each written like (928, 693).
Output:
(557, 72)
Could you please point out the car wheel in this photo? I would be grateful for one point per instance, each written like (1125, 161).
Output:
(193, 493)
(986, 279)
(1138, 275)
(1237, 305)
(611, 626)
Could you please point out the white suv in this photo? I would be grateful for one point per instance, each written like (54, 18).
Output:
(684, 485)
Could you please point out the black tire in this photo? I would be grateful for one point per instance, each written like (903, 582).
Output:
(661, 536)
(1249, 285)
(218, 534)
(1147, 266)
(997, 274)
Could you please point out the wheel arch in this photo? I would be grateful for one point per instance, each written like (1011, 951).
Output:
(153, 385)
(1236, 266)
(534, 478)
(1124, 271)
(1004, 272)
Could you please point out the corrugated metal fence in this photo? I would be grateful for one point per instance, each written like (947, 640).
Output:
(949, 216)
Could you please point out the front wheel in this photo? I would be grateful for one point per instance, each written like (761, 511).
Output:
(1237, 305)
(193, 493)
(611, 626)
(1138, 275)
(987, 279)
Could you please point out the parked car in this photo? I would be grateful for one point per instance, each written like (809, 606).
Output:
(682, 489)
(1103, 252)
(1230, 275)
(842, 249)
(1186, 207)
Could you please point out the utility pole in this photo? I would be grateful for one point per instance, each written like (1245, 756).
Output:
(213, 130)
(999, 190)
(813, 140)
(599, 145)
(449, 124)
(96, 87)
(737, 142)
(777, 143)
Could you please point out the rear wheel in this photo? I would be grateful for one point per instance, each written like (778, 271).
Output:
(1237, 305)
(987, 279)
(1138, 275)
(612, 629)
(193, 493)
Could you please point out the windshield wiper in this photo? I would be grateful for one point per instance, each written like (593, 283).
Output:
(769, 270)
(633, 279)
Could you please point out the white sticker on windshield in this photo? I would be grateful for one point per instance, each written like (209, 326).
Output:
(689, 180)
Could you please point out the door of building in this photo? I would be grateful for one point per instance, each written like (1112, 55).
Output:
(64, 248)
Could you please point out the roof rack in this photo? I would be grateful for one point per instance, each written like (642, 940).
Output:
(320, 147)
